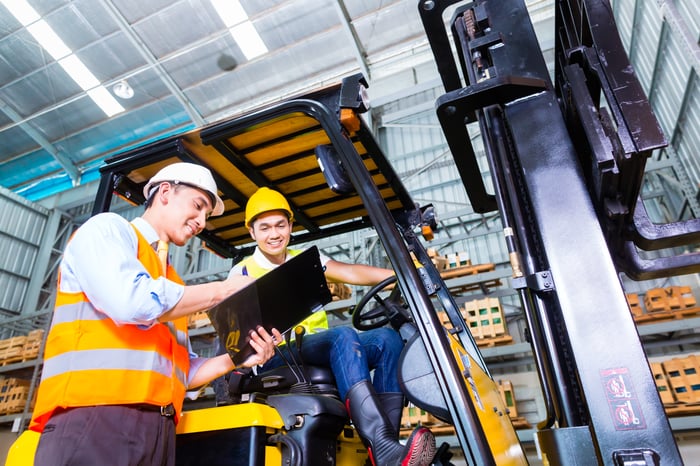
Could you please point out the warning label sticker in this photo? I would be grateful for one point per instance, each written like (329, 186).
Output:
(622, 399)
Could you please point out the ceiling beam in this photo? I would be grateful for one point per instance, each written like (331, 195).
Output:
(358, 49)
(146, 54)
(57, 154)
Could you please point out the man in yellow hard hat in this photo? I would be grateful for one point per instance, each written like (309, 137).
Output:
(374, 403)
(118, 360)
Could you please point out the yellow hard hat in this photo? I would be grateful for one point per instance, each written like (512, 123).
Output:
(265, 200)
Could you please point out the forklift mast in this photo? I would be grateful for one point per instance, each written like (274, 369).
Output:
(567, 160)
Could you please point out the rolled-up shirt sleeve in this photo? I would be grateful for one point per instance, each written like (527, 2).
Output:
(101, 261)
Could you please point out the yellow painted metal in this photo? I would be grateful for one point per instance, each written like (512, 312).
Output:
(21, 452)
(351, 451)
(273, 455)
(490, 408)
(229, 417)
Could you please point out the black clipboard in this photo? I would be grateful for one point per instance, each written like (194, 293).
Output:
(280, 299)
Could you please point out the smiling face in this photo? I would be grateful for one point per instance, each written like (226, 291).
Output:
(180, 213)
(272, 231)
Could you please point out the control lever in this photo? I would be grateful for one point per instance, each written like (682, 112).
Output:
(294, 368)
(299, 332)
(303, 385)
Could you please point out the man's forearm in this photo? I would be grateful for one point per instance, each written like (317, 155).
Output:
(204, 296)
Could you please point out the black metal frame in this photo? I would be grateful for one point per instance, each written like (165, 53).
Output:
(395, 230)
(566, 183)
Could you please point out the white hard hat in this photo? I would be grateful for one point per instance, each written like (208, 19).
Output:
(190, 174)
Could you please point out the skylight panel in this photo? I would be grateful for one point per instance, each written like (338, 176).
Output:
(54, 45)
(241, 28)
(48, 39)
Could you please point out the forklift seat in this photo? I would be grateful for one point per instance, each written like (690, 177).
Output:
(282, 379)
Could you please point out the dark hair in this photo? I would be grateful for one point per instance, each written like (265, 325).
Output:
(149, 201)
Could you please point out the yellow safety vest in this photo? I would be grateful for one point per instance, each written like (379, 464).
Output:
(316, 322)
(89, 360)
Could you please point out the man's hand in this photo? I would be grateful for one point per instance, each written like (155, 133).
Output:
(236, 283)
(264, 345)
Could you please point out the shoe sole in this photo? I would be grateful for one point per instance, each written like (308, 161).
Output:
(421, 448)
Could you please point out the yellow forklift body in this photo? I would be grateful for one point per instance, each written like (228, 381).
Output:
(229, 417)
(21, 453)
(492, 412)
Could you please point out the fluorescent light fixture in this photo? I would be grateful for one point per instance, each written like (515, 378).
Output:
(77, 70)
(47, 38)
(52, 43)
(101, 96)
(21, 10)
(241, 28)
(230, 11)
(248, 39)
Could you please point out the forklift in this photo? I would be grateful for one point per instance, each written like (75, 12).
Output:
(566, 173)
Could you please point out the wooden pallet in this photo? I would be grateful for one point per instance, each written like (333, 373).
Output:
(463, 270)
(682, 409)
(520, 422)
(443, 429)
(339, 291)
(198, 320)
(13, 395)
(660, 316)
(33, 344)
(670, 298)
(449, 429)
(11, 350)
(495, 341)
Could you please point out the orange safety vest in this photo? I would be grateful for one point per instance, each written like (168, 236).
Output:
(89, 360)
(318, 321)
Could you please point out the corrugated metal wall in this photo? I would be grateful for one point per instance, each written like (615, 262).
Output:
(662, 40)
(22, 229)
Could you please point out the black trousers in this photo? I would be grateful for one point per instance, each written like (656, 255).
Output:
(107, 436)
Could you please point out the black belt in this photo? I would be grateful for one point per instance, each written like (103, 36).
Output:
(165, 411)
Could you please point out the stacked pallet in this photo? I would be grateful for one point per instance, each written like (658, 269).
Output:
(678, 383)
(339, 291)
(486, 322)
(13, 395)
(439, 261)
(458, 264)
(11, 349)
(413, 416)
(672, 302)
(198, 320)
(33, 344)
(505, 388)
(21, 348)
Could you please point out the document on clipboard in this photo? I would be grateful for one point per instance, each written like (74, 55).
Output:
(280, 299)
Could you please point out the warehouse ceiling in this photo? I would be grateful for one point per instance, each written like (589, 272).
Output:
(82, 80)
(165, 66)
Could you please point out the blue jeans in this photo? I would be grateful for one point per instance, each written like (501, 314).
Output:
(351, 355)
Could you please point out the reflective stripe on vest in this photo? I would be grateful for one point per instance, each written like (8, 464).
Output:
(90, 360)
(316, 322)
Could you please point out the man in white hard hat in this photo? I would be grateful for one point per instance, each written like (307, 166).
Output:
(118, 360)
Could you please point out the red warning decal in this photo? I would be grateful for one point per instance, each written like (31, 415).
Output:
(625, 409)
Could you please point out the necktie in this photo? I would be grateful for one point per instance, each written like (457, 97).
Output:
(163, 255)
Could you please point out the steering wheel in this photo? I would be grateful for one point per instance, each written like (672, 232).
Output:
(390, 310)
